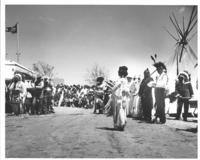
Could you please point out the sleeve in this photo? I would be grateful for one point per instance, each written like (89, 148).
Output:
(11, 86)
(176, 87)
(117, 85)
(132, 87)
(24, 89)
(141, 88)
(41, 85)
(190, 89)
(151, 84)
(10, 89)
(104, 86)
(54, 91)
(162, 83)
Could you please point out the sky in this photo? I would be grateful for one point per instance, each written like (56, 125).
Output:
(74, 38)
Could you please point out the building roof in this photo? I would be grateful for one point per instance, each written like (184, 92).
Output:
(13, 63)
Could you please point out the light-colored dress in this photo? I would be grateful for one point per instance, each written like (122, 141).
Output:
(120, 103)
(137, 110)
(132, 96)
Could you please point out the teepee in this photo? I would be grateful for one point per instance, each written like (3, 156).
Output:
(183, 38)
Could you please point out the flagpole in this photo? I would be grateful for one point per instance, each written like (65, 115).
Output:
(18, 44)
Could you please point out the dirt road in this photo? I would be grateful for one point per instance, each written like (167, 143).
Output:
(78, 133)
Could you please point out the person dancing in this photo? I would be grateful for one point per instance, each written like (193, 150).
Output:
(120, 94)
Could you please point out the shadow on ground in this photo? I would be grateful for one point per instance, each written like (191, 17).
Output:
(107, 128)
(189, 121)
(76, 114)
(193, 130)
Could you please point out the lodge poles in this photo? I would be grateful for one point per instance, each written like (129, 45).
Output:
(184, 37)
(177, 66)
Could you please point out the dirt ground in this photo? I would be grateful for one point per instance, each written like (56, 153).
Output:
(78, 133)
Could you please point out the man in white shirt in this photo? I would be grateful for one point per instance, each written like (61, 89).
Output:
(160, 86)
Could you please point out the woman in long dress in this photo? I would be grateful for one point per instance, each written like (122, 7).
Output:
(145, 93)
(137, 110)
(130, 101)
(120, 95)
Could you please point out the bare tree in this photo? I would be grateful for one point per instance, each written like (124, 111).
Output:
(43, 69)
(94, 72)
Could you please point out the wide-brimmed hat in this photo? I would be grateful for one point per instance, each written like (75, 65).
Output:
(159, 64)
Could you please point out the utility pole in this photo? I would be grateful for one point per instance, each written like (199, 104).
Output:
(18, 44)
(18, 56)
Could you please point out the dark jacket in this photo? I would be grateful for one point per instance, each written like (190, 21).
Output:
(184, 89)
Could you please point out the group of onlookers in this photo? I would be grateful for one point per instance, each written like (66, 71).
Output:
(21, 99)
(83, 96)
(74, 96)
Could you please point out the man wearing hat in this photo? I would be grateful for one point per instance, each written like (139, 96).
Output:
(160, 87)
(184, 90)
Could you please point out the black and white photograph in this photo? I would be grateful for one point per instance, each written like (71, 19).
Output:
(100, 81)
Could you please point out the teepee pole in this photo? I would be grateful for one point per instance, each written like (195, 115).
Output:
(190, 21)
(183, 26)
(192, 36)
(177, 66)
(177, 25)
(174, 25)
(192, 27)
(170, 34)
(181, 54)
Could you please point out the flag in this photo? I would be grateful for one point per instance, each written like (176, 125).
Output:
(12, 29)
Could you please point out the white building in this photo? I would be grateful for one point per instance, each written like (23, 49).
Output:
(12, 67)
